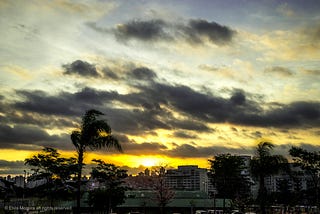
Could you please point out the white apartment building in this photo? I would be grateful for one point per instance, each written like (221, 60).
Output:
(188, 177)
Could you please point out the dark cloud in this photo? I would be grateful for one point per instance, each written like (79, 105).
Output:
(186, 100)
(81, 68)
(122, 138)
(195, 31)
(11, 167)
(26, 118)
(209, 108)
(305, 110)
(67, 104)
(150, 148)
(257, 134)
(182, 134)
(41, 102)
(189, 151)
(108, 73)
(137, 121)
(132, 147)
(234, 129)
(282, 71)
(30, 137)
(134, 120)
(143, 30)
(143, 73)
(147, 114)
(192, 125)
(203, 107)
(216, 33)
(95, 97)
(238, 98)
(149, 107)
(291, 115)
(19, 134)
(10, 164)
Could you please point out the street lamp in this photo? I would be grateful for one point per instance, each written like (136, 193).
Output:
(24, 183)
(214, 199)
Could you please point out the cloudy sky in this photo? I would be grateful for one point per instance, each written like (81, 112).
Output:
(179, 81)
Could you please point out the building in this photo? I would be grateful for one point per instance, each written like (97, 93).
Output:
(189, 177)
(19, 181)
(296, 180)
(246, 165)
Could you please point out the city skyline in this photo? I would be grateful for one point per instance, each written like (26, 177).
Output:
(178, 81)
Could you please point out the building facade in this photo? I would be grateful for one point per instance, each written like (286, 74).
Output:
(189, 178)
(295, 180)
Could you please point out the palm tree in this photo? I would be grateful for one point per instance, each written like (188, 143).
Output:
(93, 134)
(264, 164)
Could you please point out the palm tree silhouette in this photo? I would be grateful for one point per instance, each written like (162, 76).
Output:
(264, 164)
(93, 134)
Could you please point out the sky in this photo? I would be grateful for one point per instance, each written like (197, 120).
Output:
(179, 81)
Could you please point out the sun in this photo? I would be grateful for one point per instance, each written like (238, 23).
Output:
(148, 162)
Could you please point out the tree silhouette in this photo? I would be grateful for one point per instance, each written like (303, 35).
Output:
(49, 163)
(54, 169)
(225, 169)
(163, 194)
(6, 190)
(310, 163)
(264, 164)
(111, 191)
(93, 134)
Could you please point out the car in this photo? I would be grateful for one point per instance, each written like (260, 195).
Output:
(215, 212)
(201, 212)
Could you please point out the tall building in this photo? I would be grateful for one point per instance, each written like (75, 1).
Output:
(297, 180)
(188, 177)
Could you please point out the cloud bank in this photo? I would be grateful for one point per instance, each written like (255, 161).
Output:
(194, 31)
(151, 105)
